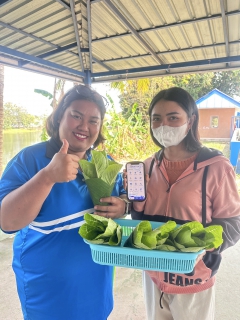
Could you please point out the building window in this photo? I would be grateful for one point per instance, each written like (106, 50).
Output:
(214, 122)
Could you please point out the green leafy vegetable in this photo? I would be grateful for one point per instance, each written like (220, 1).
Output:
(194, 226)
(193, 237)
(166, 247)
(116, 237)
(189, 237)
(88, 169)
(184, 238)
(96, 222)
(212, 236)
(100, 174)
(100, 230)
(146, 238)
(110, 173)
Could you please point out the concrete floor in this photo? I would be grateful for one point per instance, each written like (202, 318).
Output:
(129, 303)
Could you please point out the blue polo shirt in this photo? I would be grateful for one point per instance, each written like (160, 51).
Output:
(56, 276)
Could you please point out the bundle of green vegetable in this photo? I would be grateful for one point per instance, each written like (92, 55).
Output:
(189, 237)
(100, 174)
(100, 230)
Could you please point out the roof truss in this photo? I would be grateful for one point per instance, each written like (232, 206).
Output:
(110, 40)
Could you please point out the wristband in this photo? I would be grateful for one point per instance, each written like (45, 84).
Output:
(128, 205)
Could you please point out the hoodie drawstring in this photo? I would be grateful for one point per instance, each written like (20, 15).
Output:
(160, 300)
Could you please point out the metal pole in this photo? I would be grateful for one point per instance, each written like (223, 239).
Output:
(87, 79)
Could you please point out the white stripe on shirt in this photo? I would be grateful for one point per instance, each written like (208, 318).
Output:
(60, 220)
(58, 229)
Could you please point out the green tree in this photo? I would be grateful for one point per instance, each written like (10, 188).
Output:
(58, 90)
(227, 82)
(127, 137)
(196, 84)
(137, 94)
(18, 117)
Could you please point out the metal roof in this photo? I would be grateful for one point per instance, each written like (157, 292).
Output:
(111, 40)
(216, 99)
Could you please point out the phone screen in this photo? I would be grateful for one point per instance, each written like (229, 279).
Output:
(136, 181)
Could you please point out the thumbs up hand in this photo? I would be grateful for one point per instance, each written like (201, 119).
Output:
(64, 147)
(64, 166)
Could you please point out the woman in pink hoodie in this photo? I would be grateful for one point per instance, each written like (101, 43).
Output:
(187, 182)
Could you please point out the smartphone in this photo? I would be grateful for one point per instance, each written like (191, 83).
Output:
(136, 187)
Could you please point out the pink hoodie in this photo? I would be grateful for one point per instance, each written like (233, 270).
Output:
(182, 202)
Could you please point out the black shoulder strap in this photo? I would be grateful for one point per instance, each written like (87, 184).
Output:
(151, 167)
(204, 196)
(158, 156)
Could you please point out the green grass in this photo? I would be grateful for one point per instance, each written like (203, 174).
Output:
(224, 147)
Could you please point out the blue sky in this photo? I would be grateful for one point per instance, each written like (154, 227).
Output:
(19, 88)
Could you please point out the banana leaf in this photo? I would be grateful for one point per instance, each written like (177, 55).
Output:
(99, 189)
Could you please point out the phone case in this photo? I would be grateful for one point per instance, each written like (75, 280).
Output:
(143, 182)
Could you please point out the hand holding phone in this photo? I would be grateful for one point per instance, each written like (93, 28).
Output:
(136, 185)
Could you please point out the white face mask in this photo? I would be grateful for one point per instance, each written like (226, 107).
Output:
(170, 136)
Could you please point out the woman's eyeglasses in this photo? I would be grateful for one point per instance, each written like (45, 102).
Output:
(89, 93)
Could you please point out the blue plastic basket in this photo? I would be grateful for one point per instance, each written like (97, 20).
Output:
(166, 261)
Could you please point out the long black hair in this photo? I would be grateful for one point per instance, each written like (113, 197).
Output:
(187, 103)
(79, 92)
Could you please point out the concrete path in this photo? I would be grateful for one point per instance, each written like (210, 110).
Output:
(128, 291)
(129, 303)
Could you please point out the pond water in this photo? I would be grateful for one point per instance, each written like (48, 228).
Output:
(13, 142)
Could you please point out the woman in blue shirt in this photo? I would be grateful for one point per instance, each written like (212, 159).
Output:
(44, 197)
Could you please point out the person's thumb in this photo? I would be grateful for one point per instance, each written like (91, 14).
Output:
(64, 148)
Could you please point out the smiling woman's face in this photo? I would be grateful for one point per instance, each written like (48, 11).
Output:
(80, 126)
